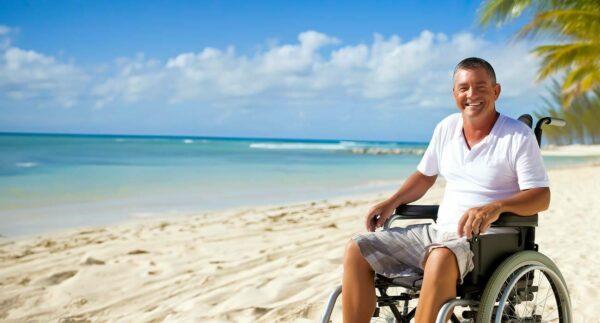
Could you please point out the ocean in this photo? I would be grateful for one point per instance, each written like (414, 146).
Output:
(55, 182)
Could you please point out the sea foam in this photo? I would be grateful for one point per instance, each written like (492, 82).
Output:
(26, 164)
(303, 146)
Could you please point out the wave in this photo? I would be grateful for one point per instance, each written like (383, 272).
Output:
(343, 147)
(379, 184)
(302, 146)
(188, 141)
(351, 143)
(144, 215)
(26, 164)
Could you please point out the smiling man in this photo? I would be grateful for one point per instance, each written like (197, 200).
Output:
(491, 163)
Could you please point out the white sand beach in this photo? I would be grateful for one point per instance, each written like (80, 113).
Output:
(268, 264)
(572, 150)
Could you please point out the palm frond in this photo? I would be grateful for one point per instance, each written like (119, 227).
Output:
(588, 81)
(563, 56)
(570, 23)
(502, 11)
(574, 77)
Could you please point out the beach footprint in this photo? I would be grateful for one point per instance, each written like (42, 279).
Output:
(58, 277)
(137, 252)
(93, 261)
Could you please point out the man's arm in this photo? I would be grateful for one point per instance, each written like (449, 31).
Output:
(415, 186)
(527, 202)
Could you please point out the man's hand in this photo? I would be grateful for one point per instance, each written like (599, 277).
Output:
(379, 214)
(478, 219)
(413, 189)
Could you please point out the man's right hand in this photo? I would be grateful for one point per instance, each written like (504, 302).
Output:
(379, 214)
(413, 189)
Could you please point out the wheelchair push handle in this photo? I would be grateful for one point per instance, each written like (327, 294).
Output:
(551, 121)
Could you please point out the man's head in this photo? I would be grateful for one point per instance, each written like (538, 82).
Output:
(475, 88)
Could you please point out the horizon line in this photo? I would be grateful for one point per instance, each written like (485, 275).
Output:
(62, 134)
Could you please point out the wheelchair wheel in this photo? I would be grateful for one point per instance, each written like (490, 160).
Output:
(526, 287)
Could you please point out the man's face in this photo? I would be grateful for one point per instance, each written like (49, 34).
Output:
(474, 92)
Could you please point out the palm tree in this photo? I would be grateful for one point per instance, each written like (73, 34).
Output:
(575, 24)
(591, 116)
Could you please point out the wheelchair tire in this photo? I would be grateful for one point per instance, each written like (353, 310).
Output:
(511, 293)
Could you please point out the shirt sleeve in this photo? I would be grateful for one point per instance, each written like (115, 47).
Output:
(529, 165)
(429, 165)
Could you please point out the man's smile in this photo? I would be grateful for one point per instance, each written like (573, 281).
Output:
(475, 104)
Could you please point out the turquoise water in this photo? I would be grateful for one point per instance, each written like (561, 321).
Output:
(50, 182)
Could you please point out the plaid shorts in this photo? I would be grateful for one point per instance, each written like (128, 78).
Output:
(402, 251)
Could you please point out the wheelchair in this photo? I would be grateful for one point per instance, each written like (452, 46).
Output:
(511, 281)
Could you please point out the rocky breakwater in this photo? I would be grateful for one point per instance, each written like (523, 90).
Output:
(387, 151)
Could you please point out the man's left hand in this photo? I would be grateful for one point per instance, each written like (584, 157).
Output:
(478, 219)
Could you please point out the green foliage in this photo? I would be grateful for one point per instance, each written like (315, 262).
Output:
(582, 117)
(574, 24)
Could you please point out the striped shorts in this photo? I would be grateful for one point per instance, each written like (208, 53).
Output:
(402, 251)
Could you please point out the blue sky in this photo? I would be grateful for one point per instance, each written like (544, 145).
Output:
(302, 69)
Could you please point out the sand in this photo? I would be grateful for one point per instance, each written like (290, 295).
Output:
(572, 150)
(267, 264)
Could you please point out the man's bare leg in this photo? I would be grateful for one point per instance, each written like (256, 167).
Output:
(439, 284)
(358, 288)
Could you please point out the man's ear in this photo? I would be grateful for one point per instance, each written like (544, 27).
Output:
(497, 90)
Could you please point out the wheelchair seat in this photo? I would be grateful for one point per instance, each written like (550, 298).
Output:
(497, 246)
(410, 281)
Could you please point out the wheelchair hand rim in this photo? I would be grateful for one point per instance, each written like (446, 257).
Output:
(518, 275)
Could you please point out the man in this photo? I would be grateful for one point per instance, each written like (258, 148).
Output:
(491, 164)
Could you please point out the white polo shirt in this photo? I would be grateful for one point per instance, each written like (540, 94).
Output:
(505, 162)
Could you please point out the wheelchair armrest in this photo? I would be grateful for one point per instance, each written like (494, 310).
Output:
(514, 220)
(413, 212)
(418, 211)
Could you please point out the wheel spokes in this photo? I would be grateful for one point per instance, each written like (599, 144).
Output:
(527, 298)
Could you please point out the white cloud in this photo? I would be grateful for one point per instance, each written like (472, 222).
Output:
(29, 75)
(413, 72)
(135, 80)
(317, 67)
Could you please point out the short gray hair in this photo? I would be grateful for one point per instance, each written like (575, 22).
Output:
(476, 62)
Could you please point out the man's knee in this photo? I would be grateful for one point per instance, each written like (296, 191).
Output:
(441, 264)
(352, 250)
(352, 254)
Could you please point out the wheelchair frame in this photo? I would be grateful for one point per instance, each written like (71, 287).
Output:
(504, 268)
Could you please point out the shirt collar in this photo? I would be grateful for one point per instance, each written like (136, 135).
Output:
(458, 134)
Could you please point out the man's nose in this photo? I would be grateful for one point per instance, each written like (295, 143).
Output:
(471, 92)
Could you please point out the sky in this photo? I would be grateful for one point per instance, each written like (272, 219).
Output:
(360, 70)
